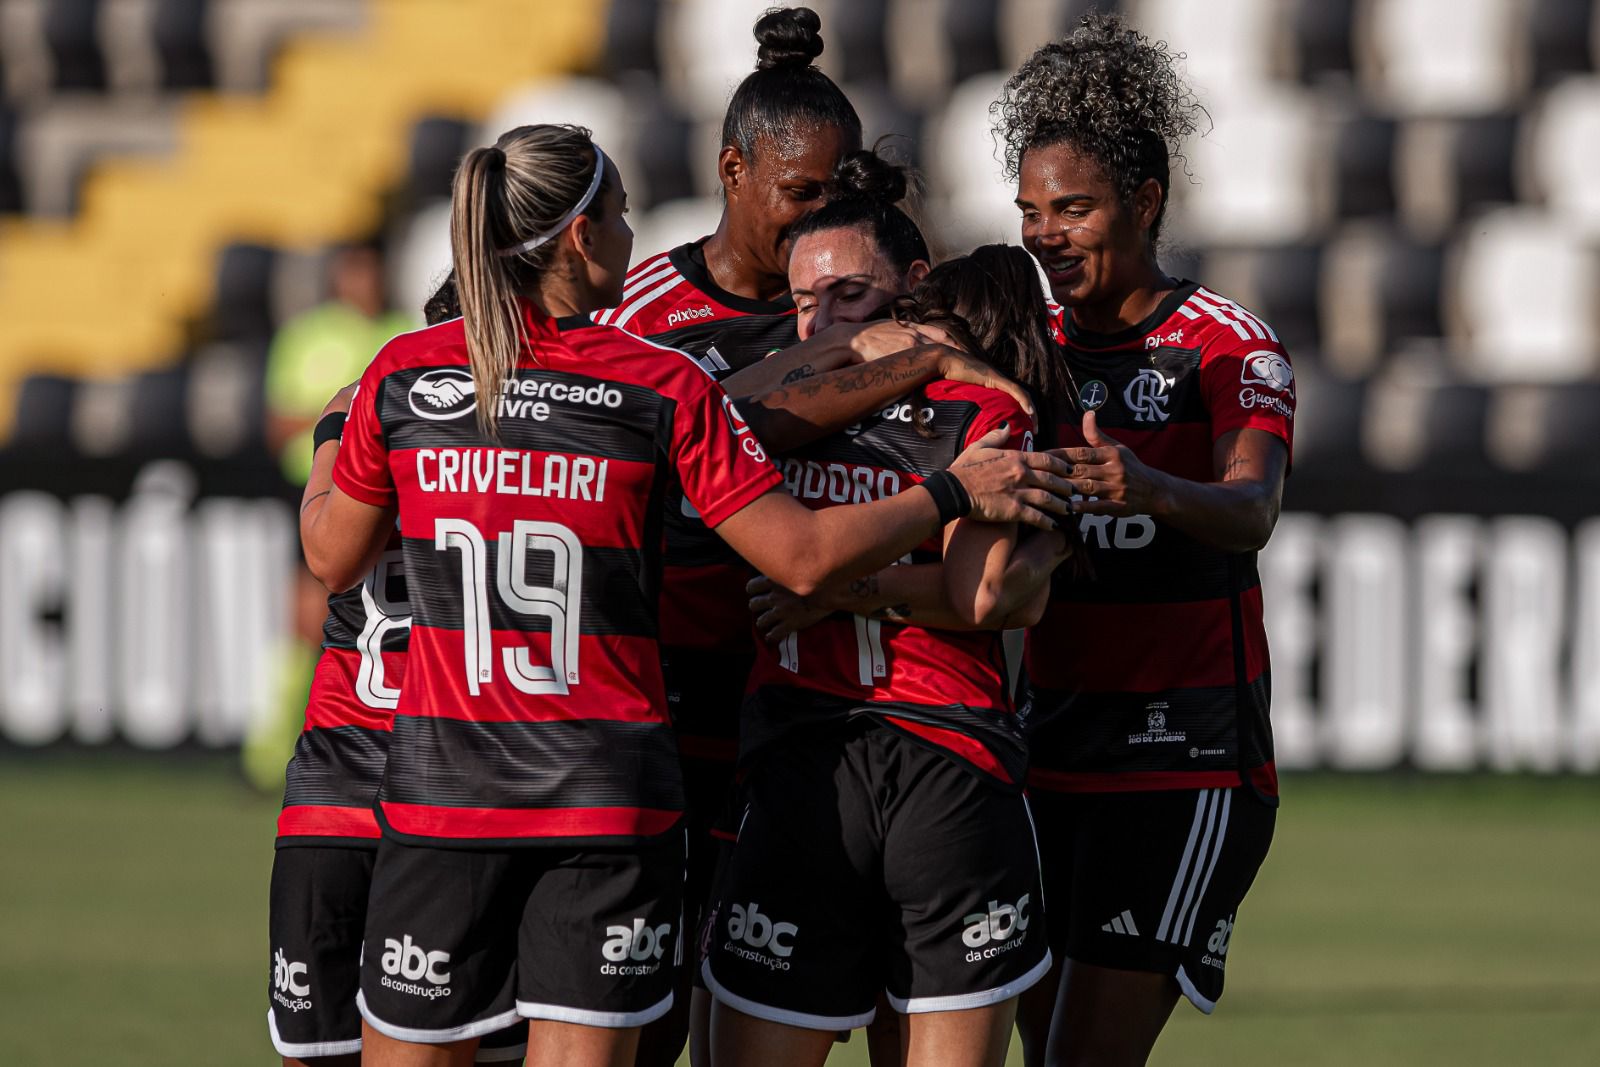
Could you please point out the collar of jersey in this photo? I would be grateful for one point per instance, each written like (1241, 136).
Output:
(1165, 310)
(690, 261)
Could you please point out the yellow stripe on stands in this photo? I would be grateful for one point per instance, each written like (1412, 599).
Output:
(111, 291)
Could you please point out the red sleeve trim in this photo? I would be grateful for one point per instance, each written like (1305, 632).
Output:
(364, 493)
(732, 503)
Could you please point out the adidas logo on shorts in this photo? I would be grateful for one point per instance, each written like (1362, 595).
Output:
(1122, 924)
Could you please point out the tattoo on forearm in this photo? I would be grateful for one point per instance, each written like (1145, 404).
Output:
(864, 588)
(1236, 463)
(795, 375)
(312, 499)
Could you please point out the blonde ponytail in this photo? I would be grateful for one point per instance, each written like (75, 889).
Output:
(525, 184)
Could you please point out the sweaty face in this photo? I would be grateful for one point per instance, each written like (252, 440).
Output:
(787, 179)
(611, 240)
(1076, 226)
(840, 275)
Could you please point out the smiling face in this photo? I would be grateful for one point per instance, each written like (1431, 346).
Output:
(1092, 245)
(787, 179)
(843, 275)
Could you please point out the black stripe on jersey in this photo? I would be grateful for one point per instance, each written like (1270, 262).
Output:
(347, 617)
(337, 766)
(1172, 569)
(627, 431)
(1172, 730)
(583, 763)
(895, 444)
(1183, 402)
(616, 597)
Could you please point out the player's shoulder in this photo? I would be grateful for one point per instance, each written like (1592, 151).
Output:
(627, 357)
(443, 344)
(1218, 326)
(988, 404)
(655, 291)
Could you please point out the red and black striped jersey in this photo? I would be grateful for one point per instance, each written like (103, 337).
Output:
(1154, 674)
(672, 300)
(945, 688)
(533, 709)
(338, 758)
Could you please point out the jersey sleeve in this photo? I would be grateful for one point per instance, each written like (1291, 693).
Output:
(1250, 388)
(719, 460)
(362, 467)
(994, 408)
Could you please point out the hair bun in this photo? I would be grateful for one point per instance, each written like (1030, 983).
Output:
(865, 175)
(788, 37)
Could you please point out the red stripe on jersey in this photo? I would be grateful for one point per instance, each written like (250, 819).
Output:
(428, 820)
(1264, 778)
(333, 700)
(317, 820)
(595, 524)
(973, 751)
(1143, 648)
(617, 675)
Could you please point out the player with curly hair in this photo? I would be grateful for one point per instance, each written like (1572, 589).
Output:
(1152, 770)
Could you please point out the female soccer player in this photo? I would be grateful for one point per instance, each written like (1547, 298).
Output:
(327, 835)
(883, 764)
(1152, 773)
(724, 299)
(531, 805)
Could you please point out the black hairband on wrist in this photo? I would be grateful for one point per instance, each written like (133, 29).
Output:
(949, 496)
(329, 428)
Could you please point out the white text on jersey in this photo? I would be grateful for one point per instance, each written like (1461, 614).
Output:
(501, 470)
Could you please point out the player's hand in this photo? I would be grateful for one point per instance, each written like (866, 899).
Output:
(778, 611)
(1115, 481)
(1011, 486)
(956, 366)
(874, 340)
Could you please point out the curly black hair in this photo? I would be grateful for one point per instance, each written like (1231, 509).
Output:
(1109, 92)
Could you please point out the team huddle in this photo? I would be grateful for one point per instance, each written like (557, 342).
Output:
(664, 693)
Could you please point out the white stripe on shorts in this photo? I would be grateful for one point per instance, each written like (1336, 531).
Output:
(1190, 897)
(1183, 864)
(1216, 850)
(308, 1049)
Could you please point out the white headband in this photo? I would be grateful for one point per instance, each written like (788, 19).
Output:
(566, 220)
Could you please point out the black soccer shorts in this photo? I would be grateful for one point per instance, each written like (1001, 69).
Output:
(1151, 881)
(462, 942)
(316, 915)
(866, 862)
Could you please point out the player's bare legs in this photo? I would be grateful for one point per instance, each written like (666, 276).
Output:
(572, 1045)
(975, 1037)
(1035, 1007)
(885, 1043)
(700, 1028)
(661, 1042)
(380, 1050)
(740, 1040)
(1106, 1017)
(352, 1060)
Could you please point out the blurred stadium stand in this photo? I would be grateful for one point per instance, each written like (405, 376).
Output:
(1404, 188)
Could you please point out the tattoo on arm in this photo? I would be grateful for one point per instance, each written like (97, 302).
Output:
(312, 499)
(864, 588)
(795, 375)
(1236, 464)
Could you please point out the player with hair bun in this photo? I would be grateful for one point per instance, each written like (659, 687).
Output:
(1152, 771)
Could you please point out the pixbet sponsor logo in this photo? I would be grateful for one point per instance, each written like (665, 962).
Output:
(635, 949)
(405, 959)
(690, 315)
(1000, 929)
(754, 937)
(287, 978)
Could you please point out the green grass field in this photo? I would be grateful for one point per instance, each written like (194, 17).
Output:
(1397, 921)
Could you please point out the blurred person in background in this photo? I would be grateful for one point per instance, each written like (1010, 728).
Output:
(322, 350)
(531, 812)
(313, 355)
(327, 834)
(1152, 774)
